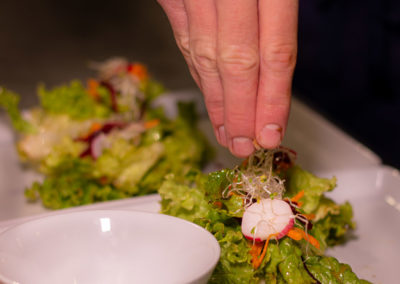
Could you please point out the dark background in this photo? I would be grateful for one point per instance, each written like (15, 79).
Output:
(348, 63)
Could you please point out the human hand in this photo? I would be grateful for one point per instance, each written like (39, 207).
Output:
(242, 56)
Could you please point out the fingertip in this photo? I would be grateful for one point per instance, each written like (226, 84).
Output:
(270, 136)
(241, 147)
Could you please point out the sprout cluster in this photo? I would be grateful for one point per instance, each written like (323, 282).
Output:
(257, 180)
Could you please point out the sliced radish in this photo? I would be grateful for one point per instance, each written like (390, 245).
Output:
(97, 141)
(267, 217)
(97, 145)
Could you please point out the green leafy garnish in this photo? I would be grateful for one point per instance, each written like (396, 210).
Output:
(9, 101)
(75, 101)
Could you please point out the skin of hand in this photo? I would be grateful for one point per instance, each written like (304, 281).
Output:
(242, 56)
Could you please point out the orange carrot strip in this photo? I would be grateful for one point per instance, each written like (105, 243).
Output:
(95, 127)
(218, 204)
(151, 123)
(139, 70)
(92, 86)
(309, 216)
(297, 234)
(311, 239)
(294, 234)
(258, 260)
(298, 196)
(256, 248)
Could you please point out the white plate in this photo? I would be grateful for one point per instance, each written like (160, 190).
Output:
(322, 148)
(374, 193)
(107, 246)
(373, 253)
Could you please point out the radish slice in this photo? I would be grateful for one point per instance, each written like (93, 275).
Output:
(267, 217)
(97, 141)
(97, 145)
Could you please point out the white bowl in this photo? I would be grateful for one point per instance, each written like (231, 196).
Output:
(107, 246)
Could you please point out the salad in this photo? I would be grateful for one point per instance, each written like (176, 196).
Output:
(103, 140)
(270, 217)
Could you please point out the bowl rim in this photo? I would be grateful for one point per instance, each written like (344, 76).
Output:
(196, 277)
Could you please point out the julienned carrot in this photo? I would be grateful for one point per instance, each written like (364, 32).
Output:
(138, 70)
(257, 258)
(96, 126)
(151, 123)
(258, 250)
(255, 250)
(92, 86)
(311, 240)
(298, 196)
(297, 234)
(309, 216)
(217, 204)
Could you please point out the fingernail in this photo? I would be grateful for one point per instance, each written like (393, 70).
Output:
(222, 136)
(242, 146)
(270, 136)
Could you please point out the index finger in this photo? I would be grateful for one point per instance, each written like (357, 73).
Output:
(278, 50)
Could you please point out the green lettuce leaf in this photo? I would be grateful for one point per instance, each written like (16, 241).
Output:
(234, 264)
(337, 221)
(183, 201)
(186, 148)
(329, 270)
(65, 149)
(291, 267)
(152, 89)
(74, 100)
(126, 164)
(71, 184)
(9, 101)
(216, 183)
(314, 187)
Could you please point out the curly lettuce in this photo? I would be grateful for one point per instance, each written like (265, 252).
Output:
(313, 186)
(173, 147)
(71, 184)
(75, 101)
(198, 199)
(9, 101)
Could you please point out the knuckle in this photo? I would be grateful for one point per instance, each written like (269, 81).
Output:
(279, 58)
(184, 46)
(214, 103)
(239, 120)
(204, 57)
(236, 60)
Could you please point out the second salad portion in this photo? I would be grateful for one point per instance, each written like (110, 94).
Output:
(102, 140)
(270, 217)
